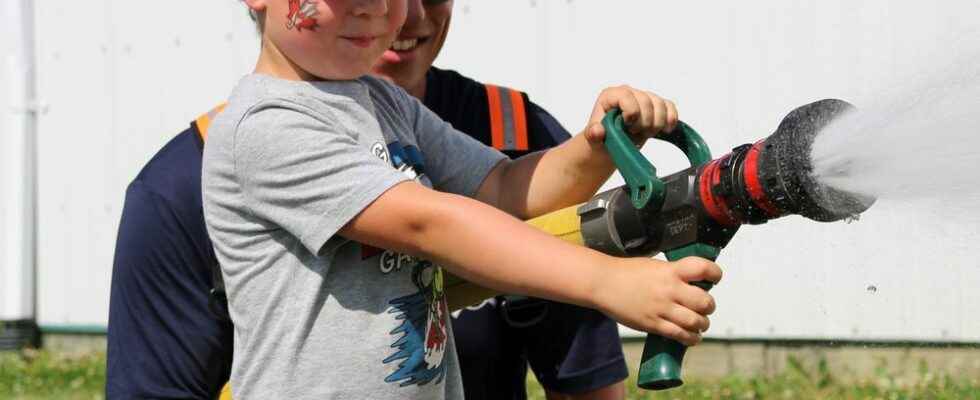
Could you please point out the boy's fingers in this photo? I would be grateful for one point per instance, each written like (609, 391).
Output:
(696, 299)
(673, 331)
(647, 114)
(695, 269)
(687, 319)
(660, 113)
(630, 107)
(595, 132)
(672, 116)
(598, 111)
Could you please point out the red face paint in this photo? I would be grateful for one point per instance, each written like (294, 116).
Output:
(302, 15)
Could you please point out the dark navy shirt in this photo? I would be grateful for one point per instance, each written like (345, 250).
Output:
(163, 342)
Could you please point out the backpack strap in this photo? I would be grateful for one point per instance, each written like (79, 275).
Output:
(508, 118)
(204, 121)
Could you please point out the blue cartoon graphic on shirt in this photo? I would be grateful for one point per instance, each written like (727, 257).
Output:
(422, 335)
(407, 159)
(420, 339)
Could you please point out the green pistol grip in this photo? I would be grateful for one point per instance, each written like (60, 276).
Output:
(660, 364)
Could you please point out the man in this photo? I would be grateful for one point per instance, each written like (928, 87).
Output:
(165, 342)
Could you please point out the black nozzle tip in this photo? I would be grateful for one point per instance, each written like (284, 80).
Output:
(788, 150)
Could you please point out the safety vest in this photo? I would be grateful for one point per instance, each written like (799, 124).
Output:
(508, 118)
(204, 121)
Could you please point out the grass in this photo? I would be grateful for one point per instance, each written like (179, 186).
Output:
(799, 382)
(47, 375)
(32, 374)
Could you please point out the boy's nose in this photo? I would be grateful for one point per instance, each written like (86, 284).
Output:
(370, 7)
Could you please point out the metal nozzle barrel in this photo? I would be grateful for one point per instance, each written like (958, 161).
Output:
(773, 177)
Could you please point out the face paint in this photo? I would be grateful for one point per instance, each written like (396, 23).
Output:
(302, 14)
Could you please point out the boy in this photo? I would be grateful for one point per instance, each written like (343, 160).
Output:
(313, 168)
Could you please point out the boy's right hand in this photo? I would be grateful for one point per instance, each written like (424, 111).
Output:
(655, 296)
(645, 113)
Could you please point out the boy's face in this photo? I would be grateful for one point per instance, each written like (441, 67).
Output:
(331, 39)
(418, 43)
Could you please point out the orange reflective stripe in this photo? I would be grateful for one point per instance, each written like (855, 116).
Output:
(496, 117)
(204, 121)
(520, 120)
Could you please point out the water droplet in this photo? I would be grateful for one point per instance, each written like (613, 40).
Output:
(872, 289)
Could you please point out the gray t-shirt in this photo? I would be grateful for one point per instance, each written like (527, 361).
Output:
(286, 165)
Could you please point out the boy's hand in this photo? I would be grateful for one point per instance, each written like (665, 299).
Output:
(644, 113)
(655, 296)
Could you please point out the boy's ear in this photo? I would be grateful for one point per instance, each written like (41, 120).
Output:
(256, 5)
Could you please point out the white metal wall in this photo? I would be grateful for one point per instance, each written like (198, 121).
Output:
(17, 111)
(121, 78)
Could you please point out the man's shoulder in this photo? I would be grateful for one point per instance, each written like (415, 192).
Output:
(497, 115)
(174, 172)
(451, 77)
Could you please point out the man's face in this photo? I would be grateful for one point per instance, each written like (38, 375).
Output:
(418, 44)
(332, 39)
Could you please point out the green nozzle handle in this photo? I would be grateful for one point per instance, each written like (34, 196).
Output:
(639, 174)
(645, 188)
(660, 364)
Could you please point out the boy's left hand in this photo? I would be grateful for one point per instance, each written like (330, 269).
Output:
(645, 114)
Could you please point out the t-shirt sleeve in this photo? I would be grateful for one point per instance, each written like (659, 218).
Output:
(455, 162)
(304, 172)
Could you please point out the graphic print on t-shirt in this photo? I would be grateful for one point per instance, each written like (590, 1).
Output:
(419, 341)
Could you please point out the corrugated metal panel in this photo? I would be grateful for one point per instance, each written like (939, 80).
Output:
(17, 111)
(905, 271)
(121, 79)
(128, 77)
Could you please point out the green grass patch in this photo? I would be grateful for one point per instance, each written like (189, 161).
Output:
(48, 375)
(35, 374)
(799, 382)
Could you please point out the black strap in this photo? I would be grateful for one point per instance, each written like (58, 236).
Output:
(522, 311)
(217, 298)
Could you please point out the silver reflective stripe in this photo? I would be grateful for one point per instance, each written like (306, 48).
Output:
(507, 112)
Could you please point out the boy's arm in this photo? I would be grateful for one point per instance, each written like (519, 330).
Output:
(573, 171)
(484, 245)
